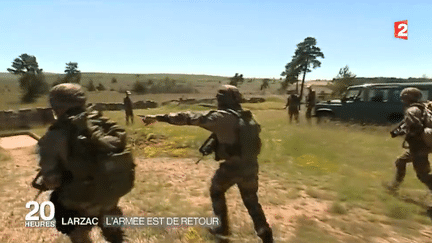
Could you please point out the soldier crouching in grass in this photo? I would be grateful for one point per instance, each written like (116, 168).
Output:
(418, 151)
(70, 165)
(239, 147)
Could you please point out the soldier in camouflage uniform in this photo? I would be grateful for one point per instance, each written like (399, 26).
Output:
(128, 108)
(310, 102)
(67, 101)
(418, 151)
(293, 104)
(232, 171)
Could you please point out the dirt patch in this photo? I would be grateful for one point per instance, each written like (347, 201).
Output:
(184, 185)
(15, 142)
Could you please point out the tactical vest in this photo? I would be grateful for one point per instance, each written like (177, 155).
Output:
(248, 142)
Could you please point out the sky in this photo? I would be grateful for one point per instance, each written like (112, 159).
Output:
(217, 37)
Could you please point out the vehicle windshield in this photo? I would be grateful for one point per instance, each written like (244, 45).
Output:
(352, 94)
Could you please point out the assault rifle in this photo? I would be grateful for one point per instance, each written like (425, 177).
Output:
(208, 147)
(400, 130)
(38, 184)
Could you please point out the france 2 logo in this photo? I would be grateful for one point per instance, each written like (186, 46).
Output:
(401, 29)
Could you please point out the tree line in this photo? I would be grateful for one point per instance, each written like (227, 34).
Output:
(32, 81)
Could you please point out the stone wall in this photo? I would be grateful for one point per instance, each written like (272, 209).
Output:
(26, 118)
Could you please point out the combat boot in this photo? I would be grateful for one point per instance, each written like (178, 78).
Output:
(80, 234)
(266, 235)
(391, 187)
(220, 230)
(113, 234)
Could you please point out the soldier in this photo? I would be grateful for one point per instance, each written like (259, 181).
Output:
(293, 104)
(128, 108)
(418, 151)
(310, 102)
(58, 159)
(235, 169)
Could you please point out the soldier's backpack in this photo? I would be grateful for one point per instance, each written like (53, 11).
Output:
(249, 141)
(426, 109)
(96, 172)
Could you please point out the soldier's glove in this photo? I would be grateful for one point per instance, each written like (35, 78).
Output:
(81, 121)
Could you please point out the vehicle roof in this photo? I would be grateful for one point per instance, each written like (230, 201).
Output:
(391, 85)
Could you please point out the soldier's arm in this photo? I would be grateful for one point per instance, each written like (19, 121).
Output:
(413, 120)
(206, 120)
(52, 150)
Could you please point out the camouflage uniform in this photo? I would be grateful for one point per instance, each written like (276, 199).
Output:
(293, 104)
(54, 154)
(233, 170)
(310, 102)
(128, 108)
(418, 151)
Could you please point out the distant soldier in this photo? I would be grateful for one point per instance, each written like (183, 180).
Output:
(310, 102)
(238, 147)
(69, 164)
(293, 104)
(128, 108)
(418, 150)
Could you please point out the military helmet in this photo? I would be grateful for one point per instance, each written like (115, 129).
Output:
(411, 94)
(231, 92)
(67, 96)
(128, 92)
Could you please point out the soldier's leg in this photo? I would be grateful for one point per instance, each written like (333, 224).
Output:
(221, 182)
(400, 165)
(63, 214)
(248, 190)
(422, 168)
(309, 113)
(127, 118)
(290, 114)
(296, 116)
(112, 234)
(81, 234)
(132, 118)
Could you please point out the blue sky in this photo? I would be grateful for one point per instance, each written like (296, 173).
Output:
(217, 37)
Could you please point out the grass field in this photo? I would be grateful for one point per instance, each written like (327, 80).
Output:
(206, 86)
(317, 183)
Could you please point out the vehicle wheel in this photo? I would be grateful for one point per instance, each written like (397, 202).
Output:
(324, 117)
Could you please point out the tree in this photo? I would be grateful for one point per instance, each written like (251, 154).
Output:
(291, 73)
(73, 75)
(236, 80)
(32, 81)
(343, 80)
(304, 57)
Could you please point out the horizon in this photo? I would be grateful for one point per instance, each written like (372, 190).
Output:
(299, 80)
(218, 38)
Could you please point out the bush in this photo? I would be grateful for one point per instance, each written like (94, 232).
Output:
(33, 86)
(139, 87)
(100, 87)
(90, 86)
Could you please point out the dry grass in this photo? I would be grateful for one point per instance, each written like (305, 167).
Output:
(314, 186)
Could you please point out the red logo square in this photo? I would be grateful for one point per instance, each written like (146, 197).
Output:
(401, 29)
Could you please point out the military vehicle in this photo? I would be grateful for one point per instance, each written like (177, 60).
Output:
(377, 103)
